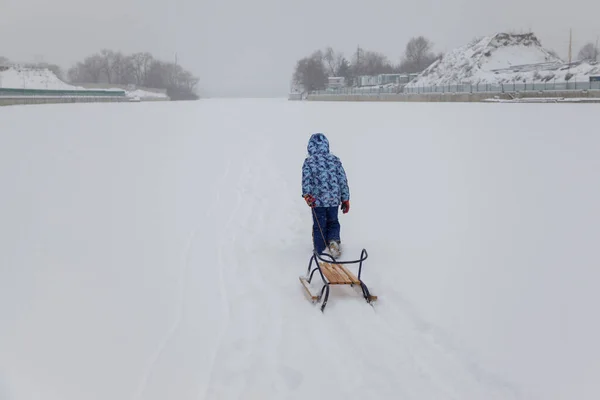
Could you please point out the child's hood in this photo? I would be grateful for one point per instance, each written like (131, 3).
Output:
(318, 144)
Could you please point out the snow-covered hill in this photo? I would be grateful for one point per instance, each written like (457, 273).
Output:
(153, 252)
(17, 77)
(503, 58)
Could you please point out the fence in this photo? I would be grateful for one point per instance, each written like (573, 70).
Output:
(24, 100)
(5, 92)
(477, 88)
(119, 86)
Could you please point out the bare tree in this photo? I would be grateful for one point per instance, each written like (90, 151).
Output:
(417, 49)
(4, 61)
(187, 80)
(156, 75)
(128, 73)
(172, 74)
(108, 64)
(122, 69)
(75, 74)
(366, 62)
(88, 71)
(588, 52)
(94, 67)
(310, 72)
(179, 83)
(375, 63)
(141, 63)
(417, 55)
(332, 61)
(343, 68)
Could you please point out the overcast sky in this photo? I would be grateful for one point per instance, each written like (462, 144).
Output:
(249, 48)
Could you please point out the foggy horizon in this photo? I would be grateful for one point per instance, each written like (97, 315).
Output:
(241, 49)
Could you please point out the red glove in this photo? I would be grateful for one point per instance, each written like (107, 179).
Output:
(310, 200)
(346, 206)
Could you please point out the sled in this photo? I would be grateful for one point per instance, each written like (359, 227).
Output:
(334, 272)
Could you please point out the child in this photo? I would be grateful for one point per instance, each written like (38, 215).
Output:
(324, 188)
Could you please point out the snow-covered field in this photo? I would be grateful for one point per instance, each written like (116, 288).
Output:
(153, 251)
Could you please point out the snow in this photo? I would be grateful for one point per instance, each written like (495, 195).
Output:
(156, 253)
(545, 100)
(507, 57)
(146, 94)
(32, 78)
(503, 58)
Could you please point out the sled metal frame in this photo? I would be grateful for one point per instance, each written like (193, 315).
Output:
(334, 272)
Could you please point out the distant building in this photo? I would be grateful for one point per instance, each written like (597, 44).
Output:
(385, 79)
(334, 82)
(367, 80)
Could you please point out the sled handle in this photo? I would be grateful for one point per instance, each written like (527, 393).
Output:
(363, 256)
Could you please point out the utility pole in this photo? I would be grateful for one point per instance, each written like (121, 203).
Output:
(357, 70)
(596, 49)
(570, 44)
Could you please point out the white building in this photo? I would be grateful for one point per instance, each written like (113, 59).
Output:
(385, 79)
(334, 82)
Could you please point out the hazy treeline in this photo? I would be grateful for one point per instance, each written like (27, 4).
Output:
(140, 69)
(311, 72)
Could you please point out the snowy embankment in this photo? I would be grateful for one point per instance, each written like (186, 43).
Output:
(544, 100)
(32, 78)
(35, 79)
(155, 254)
(43, 79)
(503, 58)
(145, 94)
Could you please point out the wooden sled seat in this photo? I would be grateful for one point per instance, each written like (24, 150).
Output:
(337, 274)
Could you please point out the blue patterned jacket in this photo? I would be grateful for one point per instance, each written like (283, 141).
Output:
(323, 175)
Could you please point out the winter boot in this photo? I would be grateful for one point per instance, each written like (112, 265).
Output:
(335, 249)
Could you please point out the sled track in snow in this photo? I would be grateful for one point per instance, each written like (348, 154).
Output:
(176, 323)
(222, 285)
(180, 302)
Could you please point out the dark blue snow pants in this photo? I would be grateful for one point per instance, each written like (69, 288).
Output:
(325, 225)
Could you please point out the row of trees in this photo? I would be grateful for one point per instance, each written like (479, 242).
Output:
(311, 72)
(141, 69)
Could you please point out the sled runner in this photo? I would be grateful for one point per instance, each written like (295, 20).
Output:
(334, 272)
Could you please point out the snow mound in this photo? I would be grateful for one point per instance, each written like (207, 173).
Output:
(145, 94)
(502, 58)
(17, 77)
